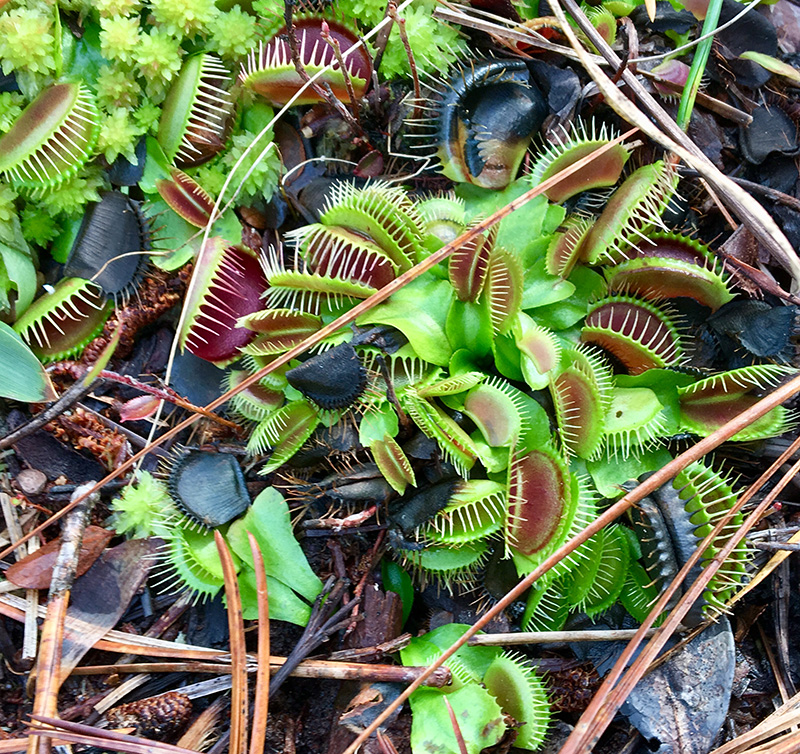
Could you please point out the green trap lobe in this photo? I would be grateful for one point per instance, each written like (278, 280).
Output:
(537, 490)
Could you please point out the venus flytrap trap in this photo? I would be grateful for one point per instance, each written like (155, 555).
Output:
(52, 138)
(490, 689)
(59, 324)
(270, 73)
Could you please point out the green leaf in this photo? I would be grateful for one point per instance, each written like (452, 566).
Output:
(773, 65)
(397, 580)
(22, 274)
(664, 383)
(63, 243)
(542, 288)
(22, 377)
(377, 423)
(469, 326)
(479, 718)
(507, 357)
(16, 267)
(587, 285)
(608, 475)
(156, 167)
(269, 522)
(184, 238)
(82, 57)
(284, 604)
(419, 311)
(520, 226)
(475, 661)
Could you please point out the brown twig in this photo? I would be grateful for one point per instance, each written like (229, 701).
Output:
(779, 197)
(789, 546)
(723, 109)
(351, 93)
(166, 394)
(239, 700)
(550, 637)
(261, 701)
(103, 739)
(391, 11)
(202, 729)
(325, 94)
(462, 746)
(325, 620)
(328, 669)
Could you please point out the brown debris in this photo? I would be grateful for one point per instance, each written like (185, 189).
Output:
(155, 717)
(156, 296)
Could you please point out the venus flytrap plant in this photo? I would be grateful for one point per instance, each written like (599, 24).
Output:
(184, 510)
(599, 415)
(487, 685)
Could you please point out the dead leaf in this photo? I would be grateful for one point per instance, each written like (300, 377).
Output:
(681, 705)
(35, 570)
(102, 595)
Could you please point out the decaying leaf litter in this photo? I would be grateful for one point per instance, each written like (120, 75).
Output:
(524, 350)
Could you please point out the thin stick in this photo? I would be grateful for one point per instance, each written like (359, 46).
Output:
(789, 546)
(31, 632)
(462, 746)
(337, 53)
(764, 573)
(200, 732)
(328, 669)
(239, 699)
(549, 637)
(48, 665)
(391, 10)
(98, 736)
(261, 701)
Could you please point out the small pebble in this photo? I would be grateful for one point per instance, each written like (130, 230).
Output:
(31, 481)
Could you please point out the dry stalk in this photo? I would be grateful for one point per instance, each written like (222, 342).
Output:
(462, 745)
(239, 700)
(551, 637)
(204, 729)
(103, 739)
(769, 567)
(261, 702)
